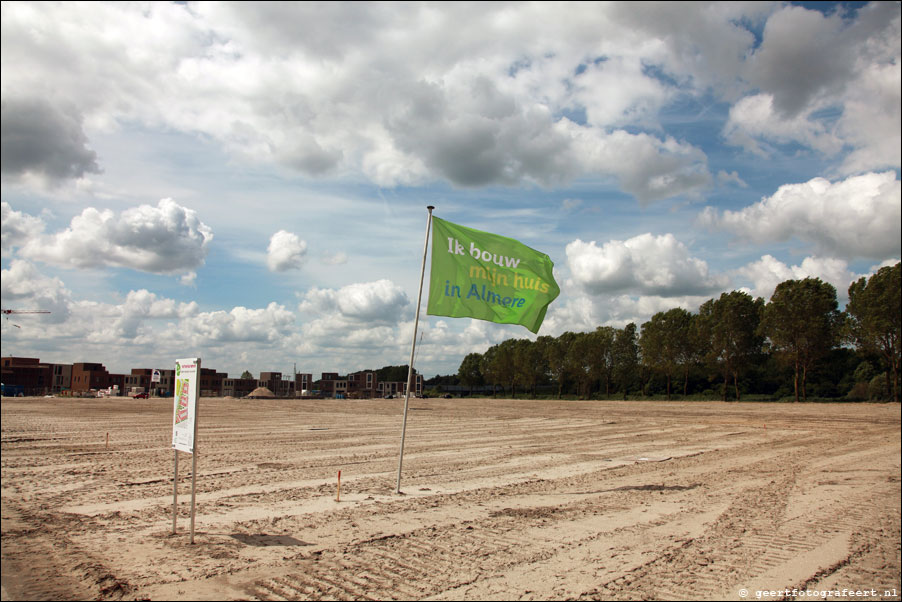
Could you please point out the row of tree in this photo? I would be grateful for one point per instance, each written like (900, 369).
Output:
(735, 342)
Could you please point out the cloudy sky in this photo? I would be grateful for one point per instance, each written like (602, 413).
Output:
(247, 182)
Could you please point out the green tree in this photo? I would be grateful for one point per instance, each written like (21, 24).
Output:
(393, 373)
(529, 364)
(469, 373)
(875, 318)
(695, 349)
(556, 356)
(497, 365)
(729, 328)
(489, 367)
(505, 364)
(601, 356)
(246, 375)
(802, 322)
(665, 343)
(864, 372)
(579, 363)
(541, 348)
(625, 354)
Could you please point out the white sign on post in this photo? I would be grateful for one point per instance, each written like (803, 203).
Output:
(184, 416)
(184, 428)
(155, 376)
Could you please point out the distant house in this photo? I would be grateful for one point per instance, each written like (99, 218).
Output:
(211, 382)
(61, 375)
(331, 385)
(278, 384)
(26, 375)
(387, 388)
(90, 375)
(303, 384)
(238, 387)
(362, 385)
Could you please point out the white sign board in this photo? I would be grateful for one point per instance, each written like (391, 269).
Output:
(155, 376)
(184, 414)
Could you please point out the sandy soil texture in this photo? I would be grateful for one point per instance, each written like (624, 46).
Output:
(501, 500)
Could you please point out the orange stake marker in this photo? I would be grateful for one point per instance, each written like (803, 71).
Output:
(338, 494)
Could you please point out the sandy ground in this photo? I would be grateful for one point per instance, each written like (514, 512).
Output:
(501, 500)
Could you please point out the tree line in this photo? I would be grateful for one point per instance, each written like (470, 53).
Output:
(797, 343)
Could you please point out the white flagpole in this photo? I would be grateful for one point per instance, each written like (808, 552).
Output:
(413, 347)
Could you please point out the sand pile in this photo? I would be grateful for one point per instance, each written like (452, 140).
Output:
(261, 393)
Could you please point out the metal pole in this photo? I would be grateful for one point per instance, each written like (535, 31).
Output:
(175, 488)
(413, 347)
(194, 450)
(193, 487)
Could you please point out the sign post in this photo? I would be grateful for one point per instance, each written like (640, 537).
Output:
(155, 378)
(184, 428)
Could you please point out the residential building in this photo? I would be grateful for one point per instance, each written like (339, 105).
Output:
(211, 382)
(277, 383)
(138, 381)
(238, 387)
(90, 375)
(303, 384)
(362, 385)
(385, 389)
(166, 386)
(61, 377)
(331, 385)
(29, 373)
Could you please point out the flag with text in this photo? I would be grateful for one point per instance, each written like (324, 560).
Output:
(480, 275)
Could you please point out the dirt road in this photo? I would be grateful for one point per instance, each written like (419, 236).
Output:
(501, 500)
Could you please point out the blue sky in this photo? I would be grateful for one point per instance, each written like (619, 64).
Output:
(248, 182)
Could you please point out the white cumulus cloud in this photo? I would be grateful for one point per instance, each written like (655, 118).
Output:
(356, 325)
(860, 216)
(22, 286)
(766, 273)
(285, 252)
(381, 302)
(240, 324)
(166, 239)
(828, 82)
(17, 227)
(645, 264)
(754, 122)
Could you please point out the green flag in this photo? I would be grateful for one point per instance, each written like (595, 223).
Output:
(489, 277)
